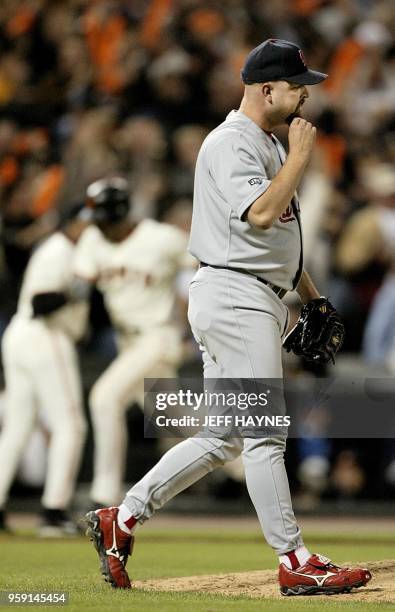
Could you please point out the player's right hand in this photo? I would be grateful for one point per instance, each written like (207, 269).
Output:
(301, 138)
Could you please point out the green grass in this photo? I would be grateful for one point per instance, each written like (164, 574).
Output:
(27, 563)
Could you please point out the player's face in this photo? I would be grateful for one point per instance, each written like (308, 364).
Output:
(288, 99)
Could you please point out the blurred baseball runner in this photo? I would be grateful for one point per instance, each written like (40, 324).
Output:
(42, 374)
(246, 232)
(134, 266)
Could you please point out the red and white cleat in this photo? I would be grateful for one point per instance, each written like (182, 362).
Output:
(320, 575)
(112, 545)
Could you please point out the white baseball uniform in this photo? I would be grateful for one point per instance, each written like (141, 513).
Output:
(42, 375)
(236, 318)
(137, 278)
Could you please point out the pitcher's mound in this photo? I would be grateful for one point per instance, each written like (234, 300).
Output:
(264, 584)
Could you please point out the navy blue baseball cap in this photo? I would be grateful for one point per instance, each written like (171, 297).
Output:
(279, 60)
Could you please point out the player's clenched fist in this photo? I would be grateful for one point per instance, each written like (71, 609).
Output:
(301, 137)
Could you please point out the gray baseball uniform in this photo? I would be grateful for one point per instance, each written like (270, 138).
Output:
(236, 318)
(235, 166)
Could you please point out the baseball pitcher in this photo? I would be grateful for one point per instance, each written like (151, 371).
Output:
(246, 232)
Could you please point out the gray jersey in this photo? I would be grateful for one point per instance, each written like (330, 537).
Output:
(235, 166)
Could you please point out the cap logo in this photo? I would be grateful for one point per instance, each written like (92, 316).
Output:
(301, 54)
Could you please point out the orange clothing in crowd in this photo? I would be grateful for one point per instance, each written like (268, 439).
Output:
(104, 39)
(343, 64)
(334, 149)
(154, 21)
(48, 189)
(21, 22)
(9, 170)
(306, 7)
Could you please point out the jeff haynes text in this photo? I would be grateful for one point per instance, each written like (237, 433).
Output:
(216, 420)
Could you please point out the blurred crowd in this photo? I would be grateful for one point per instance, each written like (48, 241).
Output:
(93, 88)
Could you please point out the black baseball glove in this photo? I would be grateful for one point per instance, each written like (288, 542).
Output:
(318, 333)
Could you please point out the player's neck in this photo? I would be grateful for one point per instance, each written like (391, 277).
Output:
(256, 115)
(70, 235)
(121, 232)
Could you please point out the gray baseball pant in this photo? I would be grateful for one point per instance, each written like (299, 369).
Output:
(238, 322)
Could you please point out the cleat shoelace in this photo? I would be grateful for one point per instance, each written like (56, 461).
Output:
(325, 563)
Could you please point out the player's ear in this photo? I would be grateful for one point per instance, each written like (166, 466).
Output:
(267, 89)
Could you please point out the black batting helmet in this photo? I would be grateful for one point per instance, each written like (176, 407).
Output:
(108, 200)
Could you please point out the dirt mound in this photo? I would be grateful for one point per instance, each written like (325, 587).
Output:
(264, 584)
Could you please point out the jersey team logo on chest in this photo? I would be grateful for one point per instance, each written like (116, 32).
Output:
(288, 215)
